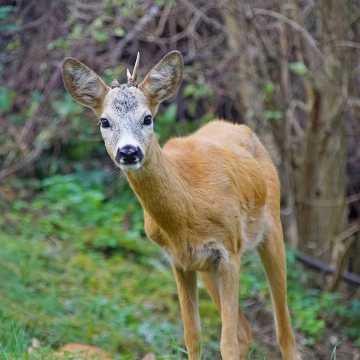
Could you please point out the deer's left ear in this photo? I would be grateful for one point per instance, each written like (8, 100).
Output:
(163, 80)
(83, 84)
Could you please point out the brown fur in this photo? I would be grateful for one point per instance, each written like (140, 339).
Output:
(194, 192)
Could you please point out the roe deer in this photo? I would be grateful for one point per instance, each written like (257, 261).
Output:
(206, 198)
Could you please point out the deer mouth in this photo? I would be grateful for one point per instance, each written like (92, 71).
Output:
(127, 165)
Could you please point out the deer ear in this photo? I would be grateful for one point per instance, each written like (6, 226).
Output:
(83, 84)
(163, 80)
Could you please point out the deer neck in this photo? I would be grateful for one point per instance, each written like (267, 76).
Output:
(161, 190)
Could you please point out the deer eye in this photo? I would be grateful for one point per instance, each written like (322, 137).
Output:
(104, 123)
(147, 120)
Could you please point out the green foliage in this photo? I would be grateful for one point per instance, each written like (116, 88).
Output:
(351, 318)
(165, 124)
(271, 112)
(194, 95)
(165, 2)
(63, 237)
(76, 267)
(306, 304)
(66, 106)
(268, 89)
(5, 12)
(197, 91)
(273, 115)
(97, 32)
(298, 68)
(7, 97)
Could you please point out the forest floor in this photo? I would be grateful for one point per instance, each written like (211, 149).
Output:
(75, 267)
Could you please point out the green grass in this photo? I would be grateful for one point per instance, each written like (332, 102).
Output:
(75, 267)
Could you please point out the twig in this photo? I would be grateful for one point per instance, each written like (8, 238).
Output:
(32, 24)
(353, 101)
(203, 16)
(343, 240)
(349, 44)
(307, 36)
(316, 264)
(353, 198)
(163, 19)
(137, 29)
(21, 140)
(34, 154)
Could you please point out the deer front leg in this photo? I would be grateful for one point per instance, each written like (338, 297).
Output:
(228, 285)
(244, 329)
(187, 290)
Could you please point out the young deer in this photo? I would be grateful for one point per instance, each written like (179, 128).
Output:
(206, 198)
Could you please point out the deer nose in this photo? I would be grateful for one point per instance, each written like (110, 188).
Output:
(128, 155)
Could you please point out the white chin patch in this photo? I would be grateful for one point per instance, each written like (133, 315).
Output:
(130, 167)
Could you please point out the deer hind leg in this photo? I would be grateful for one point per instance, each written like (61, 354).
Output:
(272, 254)
(228, 285)
(244, 329)
(186, 285)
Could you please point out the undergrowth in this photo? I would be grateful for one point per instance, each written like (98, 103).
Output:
(75, 266)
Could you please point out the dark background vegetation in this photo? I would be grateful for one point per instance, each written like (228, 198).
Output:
(74, 262)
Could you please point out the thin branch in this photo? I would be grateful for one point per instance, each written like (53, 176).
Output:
(350, 231)
(346, 239)
(203, 16)
(353, 101)
(353, 198)
(306, 35)
(137, 29)
(164, 17)
(316, 264)
(348, 44)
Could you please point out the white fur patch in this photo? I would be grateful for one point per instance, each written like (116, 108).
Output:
(204, 257)
(128, 139)
(253, 230)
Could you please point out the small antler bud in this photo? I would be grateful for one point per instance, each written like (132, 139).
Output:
(115, 84)
(132, 77)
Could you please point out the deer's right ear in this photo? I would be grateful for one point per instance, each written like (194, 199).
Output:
(83, 84)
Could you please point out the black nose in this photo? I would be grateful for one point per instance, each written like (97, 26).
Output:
(128, 155)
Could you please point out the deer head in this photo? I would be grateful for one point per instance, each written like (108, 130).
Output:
(125, 111)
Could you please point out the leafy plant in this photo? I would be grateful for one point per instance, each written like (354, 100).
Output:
(7, 97)
(298, 68)
(76, 267)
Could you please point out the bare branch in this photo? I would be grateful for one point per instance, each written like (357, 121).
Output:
(353, 198)
(137, 29)
(306, 35)
(326, 269)
(348, 44)
(203, 16)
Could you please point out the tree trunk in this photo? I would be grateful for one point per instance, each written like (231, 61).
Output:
(322, 187)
